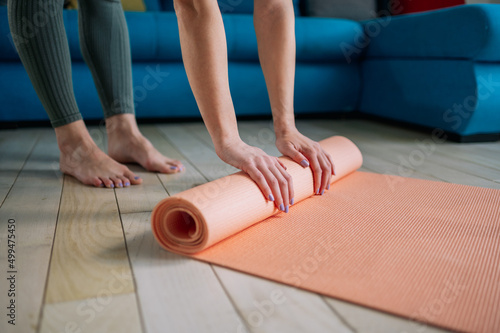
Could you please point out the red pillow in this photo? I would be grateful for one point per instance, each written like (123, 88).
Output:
(413, 6)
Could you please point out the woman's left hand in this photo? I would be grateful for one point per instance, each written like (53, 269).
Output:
(307, 153)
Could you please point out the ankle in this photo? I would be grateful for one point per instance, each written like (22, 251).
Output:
(73, 135)
(122, 125)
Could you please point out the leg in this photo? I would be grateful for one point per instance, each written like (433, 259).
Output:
(106, 49)
(41, 42)
(274, 23)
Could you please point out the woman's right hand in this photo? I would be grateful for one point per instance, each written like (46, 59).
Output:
(267, 171)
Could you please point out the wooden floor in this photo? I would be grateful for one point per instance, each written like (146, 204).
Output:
(86, 260)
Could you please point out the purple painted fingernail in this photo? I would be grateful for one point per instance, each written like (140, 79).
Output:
(286, 209)
(322, 192)
(304, 163)
(291, 202)
(282, 208)
(271, 198)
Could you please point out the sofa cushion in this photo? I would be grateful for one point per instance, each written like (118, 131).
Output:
(228, 6)
(349, 9)
(317, 39)
(463, 32)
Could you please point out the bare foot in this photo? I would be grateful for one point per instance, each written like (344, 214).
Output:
(82, 159)
(126, 144)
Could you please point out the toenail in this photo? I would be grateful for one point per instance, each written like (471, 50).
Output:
(112, 185)
(137, 177)
(173, 167)
(120, 185)
(127, 184)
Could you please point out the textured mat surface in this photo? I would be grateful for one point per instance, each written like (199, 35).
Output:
(428, 251)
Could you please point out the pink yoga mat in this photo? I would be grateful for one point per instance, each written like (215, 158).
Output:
(424, 250)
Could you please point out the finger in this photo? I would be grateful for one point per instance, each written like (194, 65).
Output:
(326, 172)
(317, 171)
(283, 186)
(274, 185)
(261, 181)
(331, 162)
(281, 163)
(289, 180)
(297, 156)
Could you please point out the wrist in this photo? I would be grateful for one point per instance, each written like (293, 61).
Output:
(283, 124)
(283, 129)
(222, 143)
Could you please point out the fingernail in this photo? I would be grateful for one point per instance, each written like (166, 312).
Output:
(173, 167)
(271, 198)
(127, 184)
(286, 209)
(328, 186)
(322, 192)
(137, 177)
(304, 163)
(291, 202)
(282, 208)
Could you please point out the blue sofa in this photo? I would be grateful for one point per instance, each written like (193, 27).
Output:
(413, 68)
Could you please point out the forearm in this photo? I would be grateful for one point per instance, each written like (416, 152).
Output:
(275, 29)
(204, 53)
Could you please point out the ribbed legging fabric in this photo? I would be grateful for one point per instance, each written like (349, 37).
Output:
(38, 32)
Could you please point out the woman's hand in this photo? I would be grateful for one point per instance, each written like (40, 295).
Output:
(267, 171)
(307, 153)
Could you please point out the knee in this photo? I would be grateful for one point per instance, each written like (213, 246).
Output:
(272, 8)
(194, 8)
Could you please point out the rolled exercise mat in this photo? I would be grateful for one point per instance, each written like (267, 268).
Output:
(424, 250)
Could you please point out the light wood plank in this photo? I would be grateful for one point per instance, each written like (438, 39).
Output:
(102, 314)
(89, 247)
(268, 306)
(33, 203)
(365, 320)
(15, 147)
(176, 294)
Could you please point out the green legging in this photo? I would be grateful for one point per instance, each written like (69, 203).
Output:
(40, 38)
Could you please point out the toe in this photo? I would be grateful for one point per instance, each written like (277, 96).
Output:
(133, 178)
(96, 182)
(117, 181)
(125, 181)
(108, 182)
